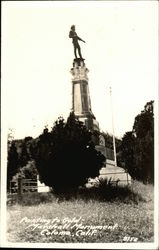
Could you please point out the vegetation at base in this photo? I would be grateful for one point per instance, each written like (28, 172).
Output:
(104, 191)
(133, 215)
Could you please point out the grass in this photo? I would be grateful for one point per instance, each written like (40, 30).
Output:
(130, 211)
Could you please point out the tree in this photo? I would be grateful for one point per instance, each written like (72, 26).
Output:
(18, 157)
(144, 122)
(10, 137)
(23, 155)
(143, 130)
(137, 147)
(66, 156)
(127, 153)
(12, 163)
(27, 172)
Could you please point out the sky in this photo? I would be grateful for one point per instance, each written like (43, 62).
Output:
(37, 54)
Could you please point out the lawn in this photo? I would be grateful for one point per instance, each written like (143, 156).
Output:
(45, 218)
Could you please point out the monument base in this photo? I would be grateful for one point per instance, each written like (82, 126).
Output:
(115, 174)
(112, 173)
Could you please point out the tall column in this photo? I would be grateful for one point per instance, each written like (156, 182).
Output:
(81, 103)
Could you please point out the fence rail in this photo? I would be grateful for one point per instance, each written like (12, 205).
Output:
(23, 185)
(114, 173)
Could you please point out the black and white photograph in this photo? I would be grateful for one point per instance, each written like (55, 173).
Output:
(79, 130)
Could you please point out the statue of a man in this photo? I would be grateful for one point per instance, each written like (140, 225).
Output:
(75, 39)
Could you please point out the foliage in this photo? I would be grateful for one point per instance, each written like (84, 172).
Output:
(27, 172)
(18, 157)
(12, 163)
(10, 137)
(109, 141)
(137, 147)
(127, 153)
(23, 155)
(66, 156)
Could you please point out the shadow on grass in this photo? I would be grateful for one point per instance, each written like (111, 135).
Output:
(104, 192)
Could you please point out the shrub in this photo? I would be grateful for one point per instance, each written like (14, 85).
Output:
(66, 157)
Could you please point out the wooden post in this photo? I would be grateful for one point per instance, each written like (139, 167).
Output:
(20, 187)
(10, 187)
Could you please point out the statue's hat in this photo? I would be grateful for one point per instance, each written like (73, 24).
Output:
(73, 26)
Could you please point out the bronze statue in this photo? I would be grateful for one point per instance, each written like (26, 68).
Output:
(75, 39)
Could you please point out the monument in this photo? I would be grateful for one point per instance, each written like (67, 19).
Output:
(81, 106)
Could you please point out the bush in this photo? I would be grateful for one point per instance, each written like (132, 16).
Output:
(66, 157)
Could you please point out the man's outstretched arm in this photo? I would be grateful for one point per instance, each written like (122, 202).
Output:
(80, 39)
